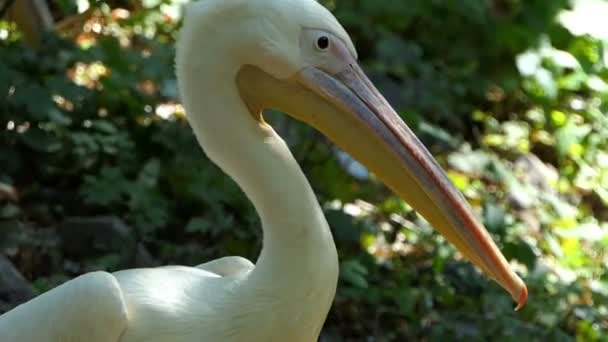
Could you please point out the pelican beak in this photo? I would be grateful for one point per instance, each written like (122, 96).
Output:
(351, 112)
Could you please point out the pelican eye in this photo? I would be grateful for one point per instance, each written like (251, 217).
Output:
(323, 43)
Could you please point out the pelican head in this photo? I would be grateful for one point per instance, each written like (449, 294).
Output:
(294, 56)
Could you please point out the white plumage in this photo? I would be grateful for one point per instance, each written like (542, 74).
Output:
(235, 58)
(88, 308)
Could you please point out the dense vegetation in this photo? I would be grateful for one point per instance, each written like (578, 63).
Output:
(509, 99)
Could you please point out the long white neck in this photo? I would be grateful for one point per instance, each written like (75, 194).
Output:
(298, 249)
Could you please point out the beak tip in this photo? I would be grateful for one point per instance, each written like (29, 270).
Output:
(523, 298)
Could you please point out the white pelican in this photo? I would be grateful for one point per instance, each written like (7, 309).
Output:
(234, 59)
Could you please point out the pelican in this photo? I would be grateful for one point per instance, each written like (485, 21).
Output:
(236, 58)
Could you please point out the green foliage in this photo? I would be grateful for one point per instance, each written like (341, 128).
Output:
(508, 99)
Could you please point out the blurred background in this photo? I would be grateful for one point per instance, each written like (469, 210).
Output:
(100, 170)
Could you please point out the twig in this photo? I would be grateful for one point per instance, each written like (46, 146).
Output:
(5, 7)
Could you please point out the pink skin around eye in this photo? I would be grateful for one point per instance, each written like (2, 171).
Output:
(341, 52)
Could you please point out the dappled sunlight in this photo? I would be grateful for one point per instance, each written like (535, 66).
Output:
(88, 75)
(587, 17)
(168, 111)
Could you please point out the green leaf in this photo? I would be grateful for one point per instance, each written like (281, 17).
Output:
(199, 225)
(107, 188)
(354, 273)
(520, 251)
(40, 141)
(343, 226)
(149, 174)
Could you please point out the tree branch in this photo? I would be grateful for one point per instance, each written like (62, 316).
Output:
(5, 7)
(34, 19)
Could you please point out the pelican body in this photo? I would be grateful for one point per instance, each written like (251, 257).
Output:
(236, 58)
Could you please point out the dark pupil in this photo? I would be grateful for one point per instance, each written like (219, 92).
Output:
(323, 43)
